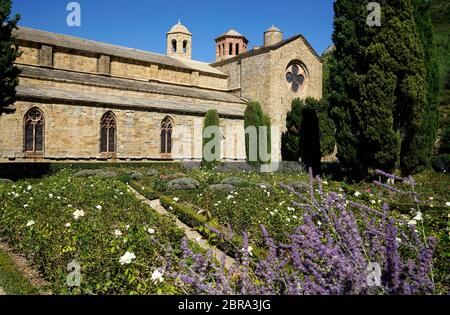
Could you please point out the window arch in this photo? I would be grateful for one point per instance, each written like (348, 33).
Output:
(185, 46)
(166, 135)
(108, 129)
(174, 45)
(34, 124)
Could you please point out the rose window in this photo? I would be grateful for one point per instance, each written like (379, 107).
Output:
(295, 76)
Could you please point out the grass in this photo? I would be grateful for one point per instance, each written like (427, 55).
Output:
(11, 279)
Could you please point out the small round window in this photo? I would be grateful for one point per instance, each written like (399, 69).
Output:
(296, 77)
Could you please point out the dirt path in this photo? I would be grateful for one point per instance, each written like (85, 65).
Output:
(25, 267)
(188, 231)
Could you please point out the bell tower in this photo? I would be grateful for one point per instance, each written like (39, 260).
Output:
(179, 41)
(230, 44)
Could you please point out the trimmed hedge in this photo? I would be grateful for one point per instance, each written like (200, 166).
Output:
(190, 217)
(147, 193)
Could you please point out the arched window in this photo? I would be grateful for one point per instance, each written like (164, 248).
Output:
(185, 44)
(230, 49)
(174, 45)
(237, 49)
(166, 135)
(34, 131)
(108, 129)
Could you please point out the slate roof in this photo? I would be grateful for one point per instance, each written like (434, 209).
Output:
(75, 43)
(55, 96)
(126, 84)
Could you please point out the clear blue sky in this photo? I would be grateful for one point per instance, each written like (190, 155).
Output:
(143, 24)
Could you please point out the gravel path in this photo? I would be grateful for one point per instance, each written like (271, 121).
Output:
(190, 233)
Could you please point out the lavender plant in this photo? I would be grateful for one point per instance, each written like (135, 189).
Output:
(334, 250)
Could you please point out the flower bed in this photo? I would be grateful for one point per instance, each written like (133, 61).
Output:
(92, 221)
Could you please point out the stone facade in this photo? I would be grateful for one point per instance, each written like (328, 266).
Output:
(260, 75)
(74, 83)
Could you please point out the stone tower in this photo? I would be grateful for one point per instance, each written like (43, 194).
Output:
(179, 41)
(272, 36)
(230, 44)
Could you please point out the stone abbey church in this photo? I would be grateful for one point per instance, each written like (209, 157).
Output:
(81, 100)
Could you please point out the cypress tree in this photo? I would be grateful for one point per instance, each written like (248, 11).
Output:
(268, 125)
(253, 117)
(9, 73)
(377, 83)
(309, 137)
(343, 96)
(427, 134)
(289, 140)
(214, 140)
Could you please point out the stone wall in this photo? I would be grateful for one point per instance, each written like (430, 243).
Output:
(75, 62)
(72, 132)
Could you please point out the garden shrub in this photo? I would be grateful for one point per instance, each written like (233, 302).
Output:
(183, 184)
(135, 175)
(263, 185)
(212, 120)
(230, 244)
(235, 181)
(253, 117)
(309, 136)
(298, 186)
(220, 187)
(152, 173)
(441, 163)
(125, 178)
(172, 176)
(42, 221)
(89, 173)
(107, 174)
(6, 181)
(160, 185)
(184, 213)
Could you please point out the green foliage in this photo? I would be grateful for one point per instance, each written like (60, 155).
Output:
(90, 240)
(253, 116)
(291, 145)
(378, 88)
(211, 119)
(441, 163)
(268, 124)
(125, 178)
(9, 73)
(427, 134)
(309, 136)
(440, 13)
(444, 143)
(201, 223)
(290, 150)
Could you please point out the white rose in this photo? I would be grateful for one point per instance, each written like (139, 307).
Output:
(157, 276)
(127, 258)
